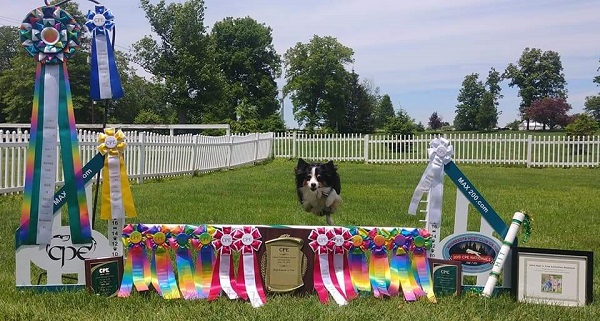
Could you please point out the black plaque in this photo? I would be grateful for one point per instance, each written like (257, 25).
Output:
(103, 276)
(446, 277)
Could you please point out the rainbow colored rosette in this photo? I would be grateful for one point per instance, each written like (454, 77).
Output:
(340, 245)
(357, 259)
(402, 274)
(180, 242)
(163, 277)
(421, 244)
(205, 259)
(323, 271)
(136, 271)
(379, 266)
(117, 200)
(249, 282)
(50, 35)
(223, 278)
(105, 82)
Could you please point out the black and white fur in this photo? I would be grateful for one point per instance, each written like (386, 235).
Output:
(318, 186)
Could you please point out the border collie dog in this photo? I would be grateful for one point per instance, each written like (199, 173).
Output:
(318, 186)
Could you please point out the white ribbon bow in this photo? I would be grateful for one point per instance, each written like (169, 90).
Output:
(440, 153)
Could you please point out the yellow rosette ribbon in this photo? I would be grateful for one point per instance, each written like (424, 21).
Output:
(117, 201)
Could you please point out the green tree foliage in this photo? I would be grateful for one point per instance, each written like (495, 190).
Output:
(592, 103)
(9, 46)
(359, 108)
(583, 125)
(245, 54)
(550, 112)
(538, 74)
(401, 124)
(487, 114)
(183, 58)
(383, 111)
(317, 81)
(435, 121)
(469, 100)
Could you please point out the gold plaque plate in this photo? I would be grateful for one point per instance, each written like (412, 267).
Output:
(283, 264)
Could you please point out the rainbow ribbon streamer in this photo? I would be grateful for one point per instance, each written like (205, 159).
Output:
(163, 277)
(249, 282)
(222, 278)
(181, 242)
(379, 267)
(117, 200)
(357, 260)
(323, 269)
(136, 271)
(400, 266)
(50, 35)
(205, 259)
(421, 244)
(105, 82)
(340, 245)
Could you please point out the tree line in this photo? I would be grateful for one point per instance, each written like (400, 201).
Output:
(228, 75)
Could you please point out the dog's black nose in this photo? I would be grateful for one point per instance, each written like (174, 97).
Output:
(313, 185)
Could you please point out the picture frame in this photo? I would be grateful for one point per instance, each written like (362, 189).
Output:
(552, 276)
(103, 276)
(446, 276)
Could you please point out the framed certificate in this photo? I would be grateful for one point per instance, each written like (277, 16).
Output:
(550, 276)
(447, 277)
(103, 275)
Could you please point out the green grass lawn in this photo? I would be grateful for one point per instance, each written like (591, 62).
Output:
(563, 202)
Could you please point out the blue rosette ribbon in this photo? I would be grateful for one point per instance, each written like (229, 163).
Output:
(105, 82)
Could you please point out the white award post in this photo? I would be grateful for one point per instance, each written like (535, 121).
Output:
(503, 253)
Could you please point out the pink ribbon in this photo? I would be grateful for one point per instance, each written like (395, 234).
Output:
(324, 268)
(249, 283)
(223, 271)
(340, 245)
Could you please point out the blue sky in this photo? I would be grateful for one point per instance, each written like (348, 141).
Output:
(418, 52)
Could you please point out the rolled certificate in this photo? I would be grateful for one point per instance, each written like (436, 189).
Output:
(504, 250)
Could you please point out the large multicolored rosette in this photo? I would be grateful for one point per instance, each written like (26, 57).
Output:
(50, 34)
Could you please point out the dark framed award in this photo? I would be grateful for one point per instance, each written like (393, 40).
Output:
(103, 275)
(446, 277)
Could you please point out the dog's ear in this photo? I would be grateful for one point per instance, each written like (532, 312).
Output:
(330, 165)
(302, 163)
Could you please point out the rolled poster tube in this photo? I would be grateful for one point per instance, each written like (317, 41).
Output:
(504, 250)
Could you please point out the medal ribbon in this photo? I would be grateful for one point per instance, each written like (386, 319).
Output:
(379, 266)
(180, 243)
(440, 152)
(163, 277)
(222, 278)
(339, 247)
(205, 259)
(249, 282)
(117, 200)
(357, 260)
(105, 82)
(421, 244)
(137, 268)
(323, 268)
(51, 35)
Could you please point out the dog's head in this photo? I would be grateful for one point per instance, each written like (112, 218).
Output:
(317, 175)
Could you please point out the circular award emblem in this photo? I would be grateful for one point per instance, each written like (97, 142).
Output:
(159, 238)
(247, 239)
(205, 238)
(135, 237)
(357, 240)
(322, 239)
(226, 240)
(99, 20)
(338, 240)
(50, 36)
(110, 142)
(441, 151)
(379, 240)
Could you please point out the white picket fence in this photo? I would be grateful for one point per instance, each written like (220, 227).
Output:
(148, 155)
(496, 148)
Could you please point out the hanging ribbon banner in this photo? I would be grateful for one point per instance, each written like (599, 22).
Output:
(357, 259)
(379, 266)
(401, 267)
(249, 282)
(180, 242)
(440, 153)
(105, 82)
(323, 268)
(205, 259)
(222, 278)
(340, 246)
(50, 35)
(117, 200)
(163, 277)
(421, 244)
(136, 271)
